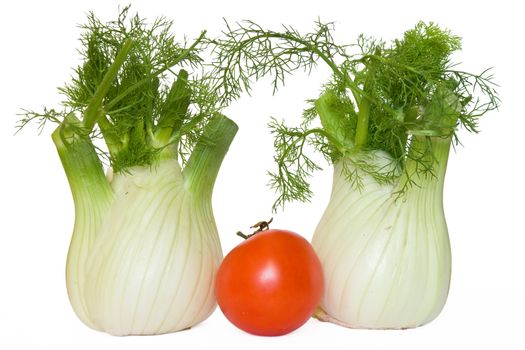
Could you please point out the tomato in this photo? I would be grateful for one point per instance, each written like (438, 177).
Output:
(270, 284)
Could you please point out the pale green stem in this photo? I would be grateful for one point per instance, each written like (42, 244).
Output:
(81, 164)
(93, 110)
(174, 110)
(205, 161)
(334, 122)
(363, 117)
(363, 120)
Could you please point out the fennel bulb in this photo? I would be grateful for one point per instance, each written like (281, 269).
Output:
(145, 248)
(386, 259)
(386, 121)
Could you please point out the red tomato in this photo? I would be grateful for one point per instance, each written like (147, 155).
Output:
(270, 284)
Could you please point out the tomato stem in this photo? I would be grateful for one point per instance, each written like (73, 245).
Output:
(261, 226)
(239, 233)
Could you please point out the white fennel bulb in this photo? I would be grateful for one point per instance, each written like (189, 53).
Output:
(150, 266)
(386, 258)
(145, 247)
(151, 269)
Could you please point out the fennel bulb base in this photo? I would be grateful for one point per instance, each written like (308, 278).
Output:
(322, 316)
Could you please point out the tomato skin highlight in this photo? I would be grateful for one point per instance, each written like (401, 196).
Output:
(270, 284)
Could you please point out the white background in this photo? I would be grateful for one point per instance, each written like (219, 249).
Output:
(484, 195)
